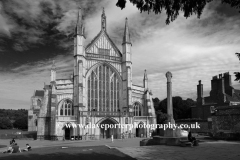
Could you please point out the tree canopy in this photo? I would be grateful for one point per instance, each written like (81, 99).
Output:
(173, 7)
(181, 108)
(21, 123)
(5, 123)
(16, 118)
(237, 74)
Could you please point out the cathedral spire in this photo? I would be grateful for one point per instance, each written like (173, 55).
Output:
(79, 30)
(104, 21)
(126, 36)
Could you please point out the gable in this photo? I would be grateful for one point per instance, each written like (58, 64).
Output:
(102, 44)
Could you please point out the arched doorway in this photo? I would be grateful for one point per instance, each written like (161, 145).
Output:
(112, 129)
(67, 133)
(140, 130)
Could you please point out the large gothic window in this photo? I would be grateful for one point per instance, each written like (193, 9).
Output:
(66, 108)
(103, 90)
(136, 109)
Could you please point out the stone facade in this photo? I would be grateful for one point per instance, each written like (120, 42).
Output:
(34, 110)
(222, 94)
(99, 92)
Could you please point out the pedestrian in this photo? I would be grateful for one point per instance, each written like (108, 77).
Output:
(28, 148)
(12, 141)
(112, 138)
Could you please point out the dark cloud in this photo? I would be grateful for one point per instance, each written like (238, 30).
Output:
(36, 30)
(227, 10)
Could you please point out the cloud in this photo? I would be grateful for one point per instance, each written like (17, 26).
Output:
(40, 31)
(191, 49)
(5, 25)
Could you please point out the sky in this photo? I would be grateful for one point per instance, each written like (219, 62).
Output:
(33, 33)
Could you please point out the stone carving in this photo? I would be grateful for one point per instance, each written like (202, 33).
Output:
(169, 76)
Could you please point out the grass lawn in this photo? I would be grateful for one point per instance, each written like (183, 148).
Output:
(2, 146)
(70, 153)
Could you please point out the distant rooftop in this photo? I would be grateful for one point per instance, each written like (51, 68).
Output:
(39, 93)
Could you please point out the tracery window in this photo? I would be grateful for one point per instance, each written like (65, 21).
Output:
(66, 108)
(136, 109)
(103, 89)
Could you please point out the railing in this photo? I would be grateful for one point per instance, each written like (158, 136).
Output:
(67, 118)
(100, 56)
(98, 137)
(142, 117)
(88, 137)
(105, 113)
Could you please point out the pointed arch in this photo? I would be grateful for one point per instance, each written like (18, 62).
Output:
(137, 109)
(107, 118)
(68, 124)
(103, 63)
(65, 107)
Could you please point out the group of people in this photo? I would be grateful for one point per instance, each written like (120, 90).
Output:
(14, 148)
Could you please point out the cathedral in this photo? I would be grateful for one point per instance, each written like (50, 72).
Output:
(99, 92)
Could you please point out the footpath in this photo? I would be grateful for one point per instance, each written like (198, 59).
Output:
(205, 151)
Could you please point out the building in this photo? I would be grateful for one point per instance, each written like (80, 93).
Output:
(222, 94)
(36, 101)
(99, 92)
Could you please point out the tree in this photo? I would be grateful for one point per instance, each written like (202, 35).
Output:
(181, 108)
(21, 123)
(156, 102)
(173, 7)
(161, 117)
(237, 74)
(5, 123)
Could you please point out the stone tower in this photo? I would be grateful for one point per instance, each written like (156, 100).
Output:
(127, 68)
(79, 71)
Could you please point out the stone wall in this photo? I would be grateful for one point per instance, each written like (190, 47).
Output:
(226, 119)
(205, 127)
(202, 112)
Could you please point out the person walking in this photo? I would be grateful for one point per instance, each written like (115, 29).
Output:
(112, 138)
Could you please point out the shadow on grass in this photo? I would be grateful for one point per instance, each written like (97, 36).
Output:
(70, 153)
